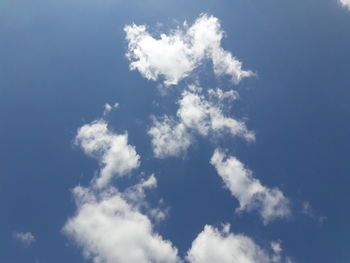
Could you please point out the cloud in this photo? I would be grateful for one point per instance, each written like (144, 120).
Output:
(214, 245)
(112, 150)
(251, 194)
(345, 3)
(277, 249)
(196, 115)
(111, 230)
(176, 55)
(26, 238)
(112, 226)
(108, 108)
(169, 138)
(308, 211)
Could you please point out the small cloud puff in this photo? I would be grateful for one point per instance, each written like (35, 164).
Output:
(25, 238)
(108, 108)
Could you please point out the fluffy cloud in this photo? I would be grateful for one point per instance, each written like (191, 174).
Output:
(250, 193)
(111, 230)
(112, 150)
(176, 55)
(112, 226)
(169, 138)
(26, 238)
(108, 108)
(196, 115)
(214, 245)
(345, 3)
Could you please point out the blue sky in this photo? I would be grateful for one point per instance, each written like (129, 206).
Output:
(255, 169)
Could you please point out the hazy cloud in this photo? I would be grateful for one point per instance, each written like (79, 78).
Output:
(26, 238)
(197, 114)
(108, 108)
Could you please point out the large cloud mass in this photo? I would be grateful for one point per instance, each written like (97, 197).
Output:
(111, 230)
(176, 55)
(113, 226)
(250, 193)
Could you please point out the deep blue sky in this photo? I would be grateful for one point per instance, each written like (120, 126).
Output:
(61, 61)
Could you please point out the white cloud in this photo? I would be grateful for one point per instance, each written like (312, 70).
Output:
(176, 55)
(345, 3)
(26, 238)
(221, 95)
(108, 108)
(196, 115)
(111, 230)
(112, 150)
(169, 138)
(277, 249)
(214, 245)
(251, 194)
(203, 116)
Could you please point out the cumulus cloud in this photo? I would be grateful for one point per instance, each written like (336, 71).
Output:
(26, 238)
(112, 150)
(215, 245)
(175, 55)
(169, 138)
(111, 230)
(112, 226)
(196, 115)
(345, 3)
(251, 194)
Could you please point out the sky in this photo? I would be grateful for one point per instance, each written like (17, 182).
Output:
(174, 131)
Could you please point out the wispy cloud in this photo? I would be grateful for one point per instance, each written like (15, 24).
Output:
(251, 194)
(345, 3)
(25, 238)
(198, 114)
(108, 108)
